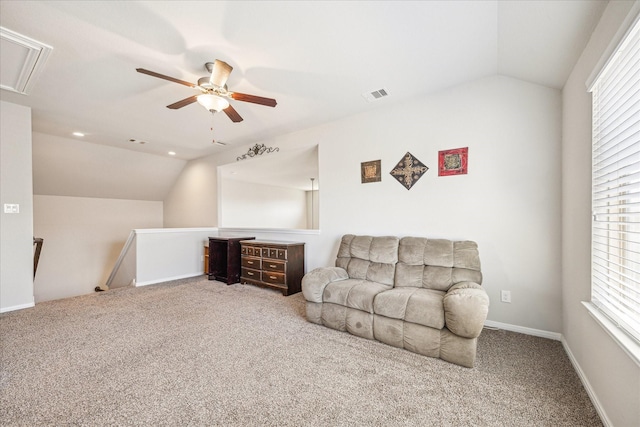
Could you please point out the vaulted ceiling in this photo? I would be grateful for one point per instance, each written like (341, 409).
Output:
(316, 58)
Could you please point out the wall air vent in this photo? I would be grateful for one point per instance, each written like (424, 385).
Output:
(376, 94)
(21, 61)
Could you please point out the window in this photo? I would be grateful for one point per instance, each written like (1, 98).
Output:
(615, 254)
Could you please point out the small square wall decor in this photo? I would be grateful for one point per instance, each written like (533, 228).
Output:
(409, 170)
(453, 162)
(370, 171)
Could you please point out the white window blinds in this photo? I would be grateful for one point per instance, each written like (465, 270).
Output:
(615, 254)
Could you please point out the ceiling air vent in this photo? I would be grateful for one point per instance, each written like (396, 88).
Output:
(376, 94)
(21, 61)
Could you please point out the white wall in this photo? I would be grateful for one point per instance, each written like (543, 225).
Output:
(170, 253)
(16, 230)
(278, 207)
(82, 240)
(509, 202)
(192, 201)
(611, 375)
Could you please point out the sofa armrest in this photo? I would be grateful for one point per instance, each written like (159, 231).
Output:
(314, 282)
(466, 305)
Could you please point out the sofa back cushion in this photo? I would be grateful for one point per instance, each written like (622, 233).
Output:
(436, 263)
(369, 258)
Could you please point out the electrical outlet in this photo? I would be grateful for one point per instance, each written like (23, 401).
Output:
(11, 208)
(505, 296)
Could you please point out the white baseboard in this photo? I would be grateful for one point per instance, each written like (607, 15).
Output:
(17, 307)
(524, 330)
(587, 386)
(168, 279)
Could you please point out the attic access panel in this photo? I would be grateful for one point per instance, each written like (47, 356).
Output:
(21, 61)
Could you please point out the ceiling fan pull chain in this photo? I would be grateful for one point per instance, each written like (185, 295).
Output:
(213, 140)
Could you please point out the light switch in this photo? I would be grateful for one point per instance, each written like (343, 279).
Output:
(11, 208)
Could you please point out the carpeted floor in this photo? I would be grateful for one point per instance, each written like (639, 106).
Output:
(200, 353)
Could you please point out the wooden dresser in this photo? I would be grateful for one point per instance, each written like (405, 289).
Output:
(224, 259)
(274, 264)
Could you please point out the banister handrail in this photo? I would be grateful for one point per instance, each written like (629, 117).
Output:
(123, 253)
(38, 241)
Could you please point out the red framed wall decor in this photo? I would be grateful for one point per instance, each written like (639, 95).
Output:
(453, 162)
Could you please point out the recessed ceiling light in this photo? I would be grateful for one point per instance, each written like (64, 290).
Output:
(171, 153)
(78, 134)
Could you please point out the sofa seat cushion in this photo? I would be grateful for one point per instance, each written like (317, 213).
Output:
(354, 293)
(416, 305)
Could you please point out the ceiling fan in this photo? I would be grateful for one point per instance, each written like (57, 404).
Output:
(214, 91)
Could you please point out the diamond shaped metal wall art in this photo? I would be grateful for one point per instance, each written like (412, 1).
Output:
(409, 170)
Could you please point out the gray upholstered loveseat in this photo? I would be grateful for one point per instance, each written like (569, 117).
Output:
(420, 294)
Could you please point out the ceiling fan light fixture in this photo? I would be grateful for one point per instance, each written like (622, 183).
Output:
(212, 102)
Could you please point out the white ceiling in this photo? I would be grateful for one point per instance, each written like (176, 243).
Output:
(315, 57)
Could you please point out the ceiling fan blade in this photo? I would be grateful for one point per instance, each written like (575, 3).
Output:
(220, 73)
(162, 76)
(269, 102)
(183, 103)
(233, 114)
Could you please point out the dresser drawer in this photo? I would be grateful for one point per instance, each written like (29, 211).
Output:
(275, 266)
(274, 253)
(252, 251)
(273, 278)
(247, 273)
(255, 263)
(278, 253)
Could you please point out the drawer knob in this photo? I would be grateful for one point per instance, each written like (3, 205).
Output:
(272, 266)
(249, 273)
(273, 277)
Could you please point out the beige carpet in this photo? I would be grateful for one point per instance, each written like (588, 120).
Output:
(200, 353)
